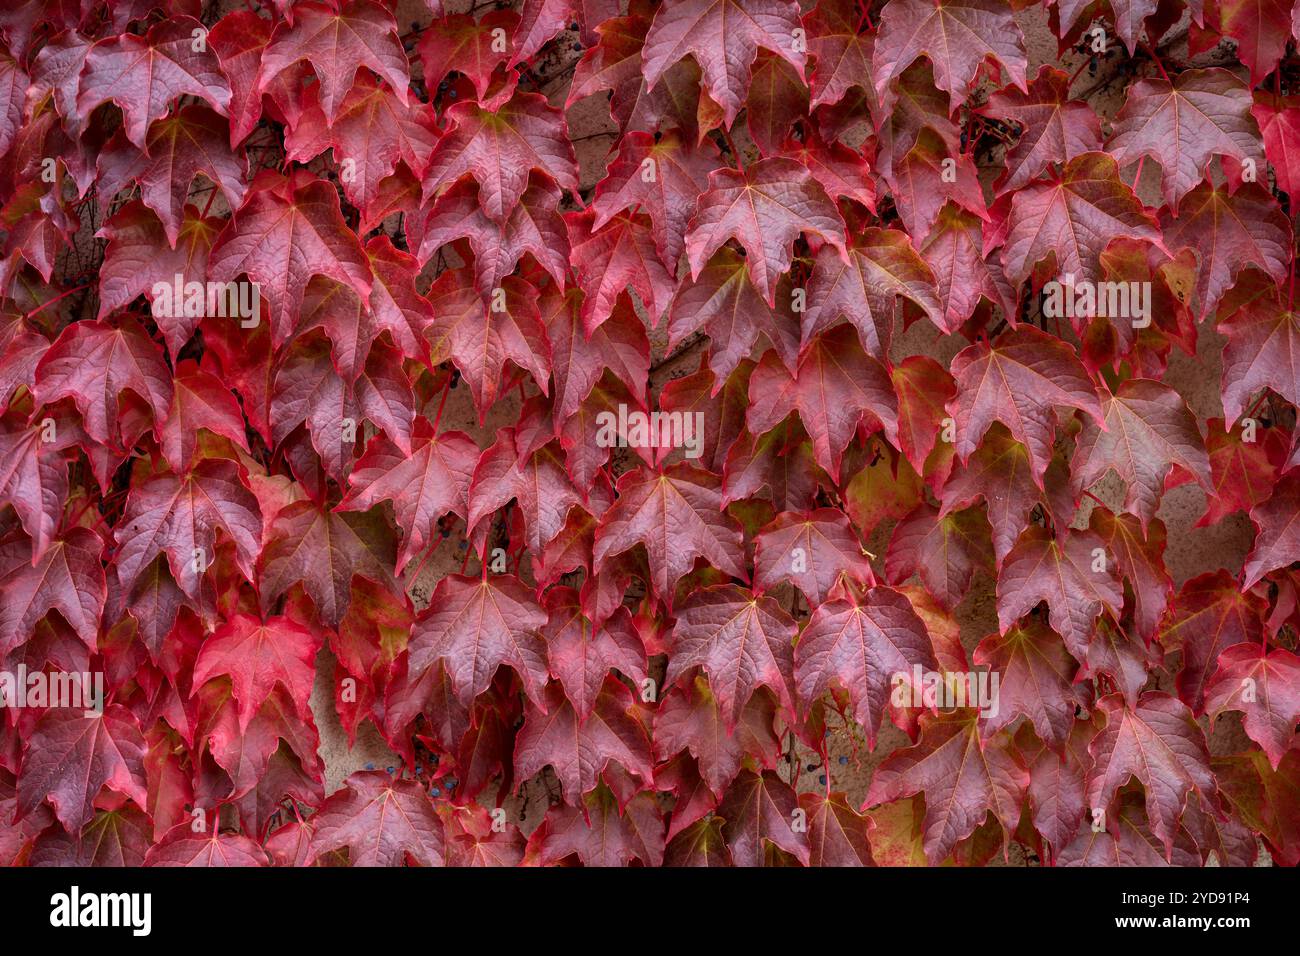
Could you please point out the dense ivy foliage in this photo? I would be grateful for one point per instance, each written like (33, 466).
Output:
(849, 317)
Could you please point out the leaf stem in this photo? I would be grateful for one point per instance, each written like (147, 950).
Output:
(57, 298)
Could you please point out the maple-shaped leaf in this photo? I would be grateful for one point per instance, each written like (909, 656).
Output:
(760, 808)
(179, 516)
(663, 175)
(1158, 743)
(676, 515)
(882, 266)
(599, 833)
(1279, 124)
(1263, 345)
(859, 645)
(619, 255)
(246, 753)
(474, 626)
(199, 400)
(1140, 556)
(844, 173)
(927, 178)
(1148, 431)
(381, 821)
(1017, 380)
(321, 549)
(581, 653)
(1278, 522)
(34, 476)
(777, 100)
(93, 363)
(578, 360)
(239, 38)
(956, 35)
(539, 21)
(191, 141)
(1073, 574)
(308, 389)
(1185, 122)
(533, 225)
(724, 302)
(480, 340)
(144, 74)
(1244, 468)
(924, 388)
(499, 149)
(338, 41)
(1071, 217)
(614, 65)
(740, 641)
(257, 655)
(353, 324)
(181, 846)
(1210, 615)
(1037, 681)
(1000, 473)
(724, 37)
(1126, 840)
(118, 838)
(765, 208)
(777, 466)
(945, 552)
(537, 481)
(430, 481)
(699, 845)
(68, 576)
(71, 757)
(689, 719)
(1053, 127)
(964, 275)
(288, 230)
(55, 72)
(964, 779)
(841, 51)
(1267, 800)
(837, 387)
(580, 752)
(371, 133)
(811, 550)
(470, 47)
(837, 834)
(1259, 28)
(1265, 686)
(473, 840)
(1229, 231)
(139, 261)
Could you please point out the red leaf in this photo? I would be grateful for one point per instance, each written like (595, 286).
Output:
(764, 208)
(143, 75)
(582, 751)
(963, 778)
(740, 642)
(381, 821)
(1160, 744)
(473, 626)
(724, 37)
(337, 42)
